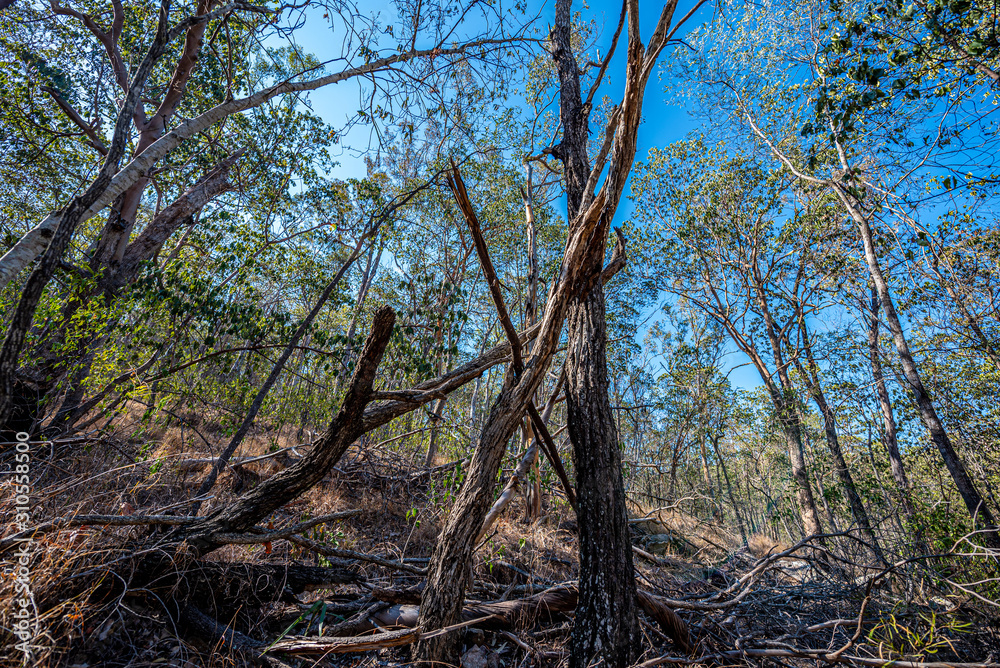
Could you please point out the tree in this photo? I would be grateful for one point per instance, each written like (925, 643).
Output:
(715, 219)
(838, 103)
(123, 188)
(579, 284)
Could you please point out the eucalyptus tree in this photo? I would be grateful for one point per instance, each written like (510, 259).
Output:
(713, 239)
(836, 121)
(606, 627)
(824, 262)
(182, 105)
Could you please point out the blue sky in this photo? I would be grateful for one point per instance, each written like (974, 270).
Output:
(665, 121)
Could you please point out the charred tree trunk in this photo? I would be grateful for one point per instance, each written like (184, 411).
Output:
(606, 628)
(576, 287)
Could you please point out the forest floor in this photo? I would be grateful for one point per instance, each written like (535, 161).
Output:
(761, 603)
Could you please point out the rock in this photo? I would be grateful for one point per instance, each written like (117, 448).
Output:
(480, 656)
(474, 636)
(661, 543)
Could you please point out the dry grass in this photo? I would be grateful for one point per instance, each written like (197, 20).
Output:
(761, 545)
(135, 472)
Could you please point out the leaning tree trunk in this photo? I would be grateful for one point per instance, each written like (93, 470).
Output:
(815, 387)
(889, 422)
(451, 562)
(275, 373)
(788, 416)
(347, 426)
(978, 510)
(605, 628)
(589, 218)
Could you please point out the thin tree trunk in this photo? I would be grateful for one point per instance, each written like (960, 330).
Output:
(530, 457)
(287, 485)
(729, 491)
(706, 475)
(272, 377)
(533, 497)
(819, 482)
(812, 377)
(970, 319)
(788, 416)
(978, 510)
(889, 439)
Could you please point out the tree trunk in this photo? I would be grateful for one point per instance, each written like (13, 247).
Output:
(978, 510)
(888, 419)
(788, 416)
(606, 628)
(55, 356)
(435, 418)
(729, 491)
(813, 463)
(533, 496)
(803, 492)
(451, 562)
(345, 429)
(579, 277)
(273, 376)
(707, 477)
(833, 442)
(971, 319)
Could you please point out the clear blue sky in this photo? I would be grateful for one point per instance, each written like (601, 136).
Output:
(664, 120)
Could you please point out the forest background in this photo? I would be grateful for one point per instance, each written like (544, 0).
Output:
(208, 208)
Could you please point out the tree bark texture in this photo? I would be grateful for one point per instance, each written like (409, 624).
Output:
(606, 628)
(588, 228)
(889, 439)
(346, 428)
